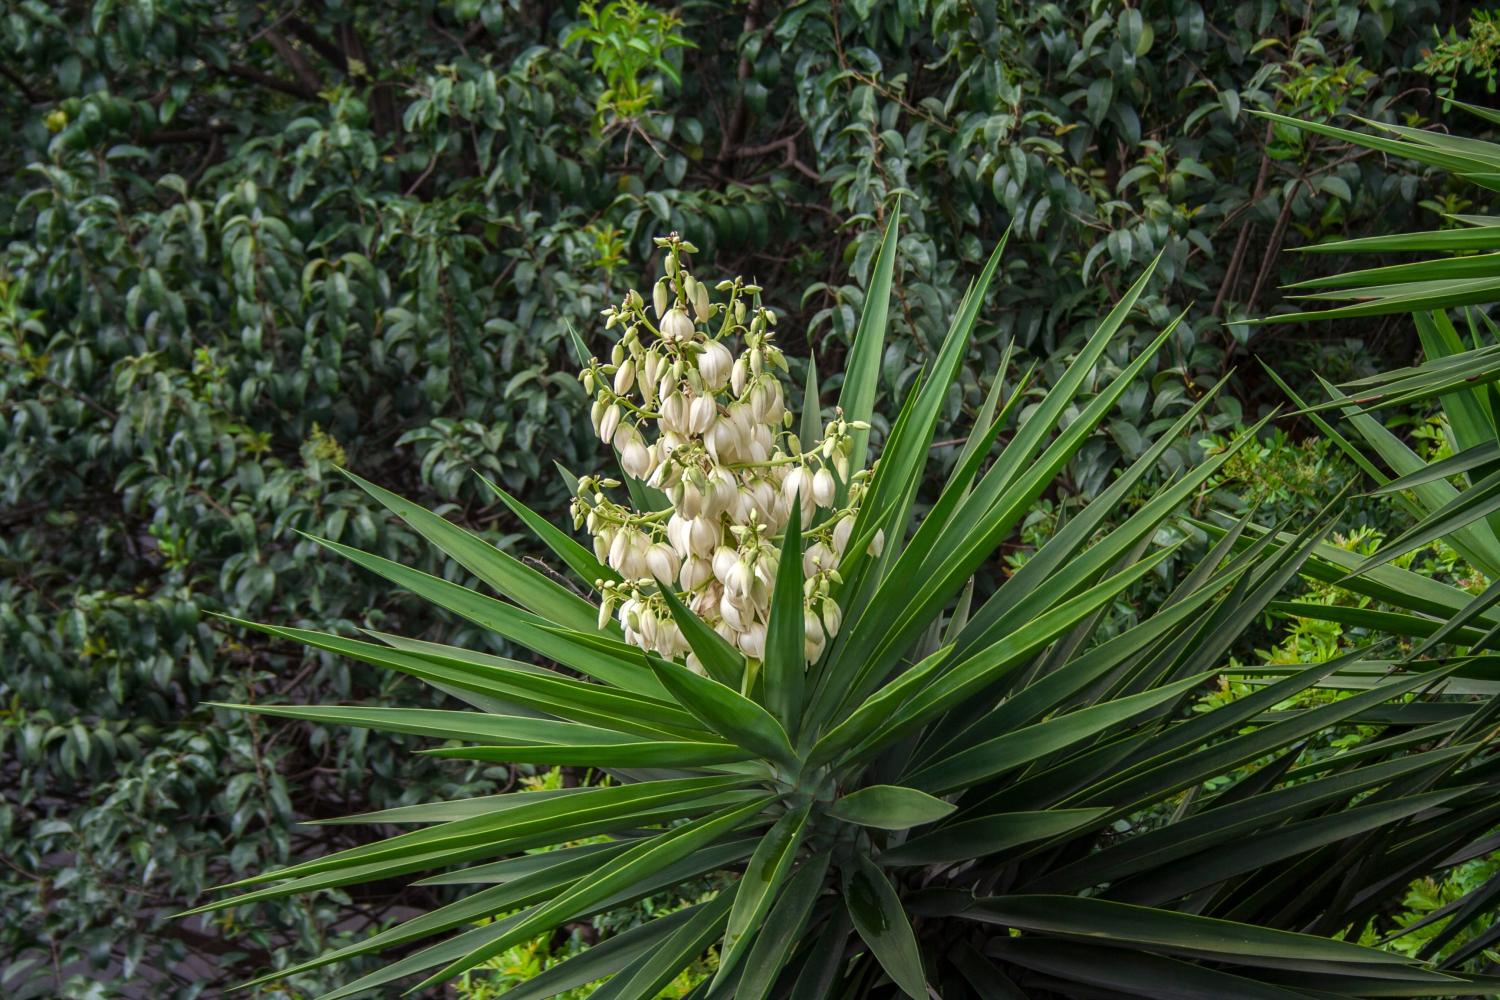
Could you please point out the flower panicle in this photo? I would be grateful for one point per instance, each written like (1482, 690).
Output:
(692, 401)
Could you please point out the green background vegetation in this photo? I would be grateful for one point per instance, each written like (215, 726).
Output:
(245, 243)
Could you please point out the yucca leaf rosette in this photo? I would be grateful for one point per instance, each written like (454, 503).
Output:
(904, 779)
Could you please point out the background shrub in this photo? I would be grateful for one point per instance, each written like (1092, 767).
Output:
(245, 245)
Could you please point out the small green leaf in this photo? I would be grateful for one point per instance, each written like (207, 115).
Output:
(890, 807)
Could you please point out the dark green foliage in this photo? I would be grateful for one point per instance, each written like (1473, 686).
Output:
(240, 248)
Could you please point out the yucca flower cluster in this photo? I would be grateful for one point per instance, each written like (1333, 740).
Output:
(709, 428)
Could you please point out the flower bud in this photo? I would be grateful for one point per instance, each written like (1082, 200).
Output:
(812, 649)
(689, 498)
(705, 603)
(762, 495)
(661, 298)
(795, 483)
(625, 377)
(701, 414)
(619, 552)
(609, 423)
(733, 613)
(669, 640)
(679, 533)
(833, 617)
(765, 571)
(738, 376)
(760, 400)
(775, 405)
(741, 509)
(812, 626)
(722, 492)
(701, 305)
(635, 566)
(723, 441)
(816, 558)
(759, 447)
(739, 579)
(673, 414)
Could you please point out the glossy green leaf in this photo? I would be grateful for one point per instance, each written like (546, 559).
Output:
(882, 923)
(649, 974)
(889, 807)
(723, 662)
(630, 867)
(656, 753)
(519, 626)
(1108, 921)
(727, 712)
(862, 367)
(782, 929)
(542, 822)
(785, 662)
(507, 574)
(579, 559)
(984, 835)
(758, 887)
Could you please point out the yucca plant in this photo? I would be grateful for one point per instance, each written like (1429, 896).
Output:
(1470, 276)
(779, 659)
(1456, 499)
(1453, 500)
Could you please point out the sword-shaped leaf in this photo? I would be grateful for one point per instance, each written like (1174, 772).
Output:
(881, 921)
(757, 890)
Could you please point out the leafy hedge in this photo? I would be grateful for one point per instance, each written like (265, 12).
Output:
(242, 248)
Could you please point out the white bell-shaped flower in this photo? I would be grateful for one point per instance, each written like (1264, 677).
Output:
(662, 562)
(714, 363)
(677, 326)
(752, 641)
(695, 573)
(704, 536)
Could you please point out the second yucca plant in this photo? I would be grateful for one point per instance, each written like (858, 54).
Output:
(778, 658)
